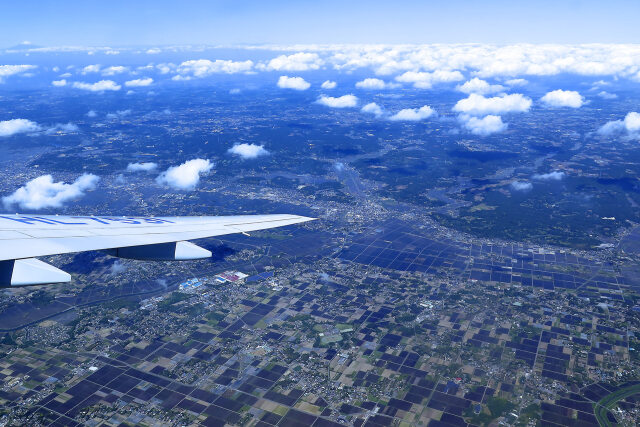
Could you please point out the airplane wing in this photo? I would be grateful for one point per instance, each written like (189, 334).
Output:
(23, 237)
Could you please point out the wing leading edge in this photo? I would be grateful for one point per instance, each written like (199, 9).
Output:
(29, 236)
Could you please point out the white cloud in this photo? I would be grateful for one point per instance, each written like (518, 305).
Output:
(486, 61)
(606, 95)
(118, 114)
(630, 124)
(95, 68)
(205, 67)
(484, 126)
(521, 186)
(16, 126)
(10, 70)
(43, 192)
(328, 84)
(153, 51)
(478, 105)
(65, 75)
(100, 86)
(373, 108)
(423, 80)
(550, 176)
(344, 101)
(563, 98)
(113, 70)
(62, 128)
(248, 151)
(517, 82)
(301, 61)
(117, 267)
(413, 114)
(374, 84)
(612, 128)
(296, 83)
(92, 113)
(479, 86)
(186, 176)
(139, 82)
(59, 83)
(165, 68)
(142, 167)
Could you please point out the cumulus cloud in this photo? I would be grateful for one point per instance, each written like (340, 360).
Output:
(479, 86)
(301, 61)
(101, 86)
(517, 82)
(413, 114)
(95, 68)
(10, 70)
(118, 114)
(373, 108)
(59, 83)
(117, 267)
(632, 122)
(113, 70)
(344, 101)
(484, 126)
(92, 114)
(186, 176)
(153, 51)
(142, 167)
(521, 186)
(43, 192)
(61, 128)
(204, 67)
(17, 126)
(328, 84)
(563, 98)
(165, 68)
(248, 151)
(488, 61)
(606, 95)
(374, 84)
(612, 128)
(478, 105)
(630, 125)
(296, 83)
(550, 176)
(139, 82)
(425, 80)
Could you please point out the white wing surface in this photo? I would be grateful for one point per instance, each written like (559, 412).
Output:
(29, 236)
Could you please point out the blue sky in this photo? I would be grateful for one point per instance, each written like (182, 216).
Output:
(160, 22)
